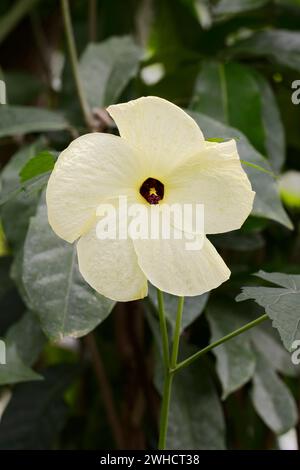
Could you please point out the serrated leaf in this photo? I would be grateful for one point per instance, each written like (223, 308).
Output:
(282, 304)
(64, 302)
(235, 359)
(16, 120)
(272, 399)
(36, 412)
(41, 163)
(267, 202)
(106, 68)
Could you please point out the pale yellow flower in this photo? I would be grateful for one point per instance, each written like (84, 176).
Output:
(160, 156)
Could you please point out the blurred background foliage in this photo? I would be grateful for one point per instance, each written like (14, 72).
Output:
(82, 372)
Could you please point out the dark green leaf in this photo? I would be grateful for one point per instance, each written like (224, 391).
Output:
(25, 94)
(235, 359)
(272, 399)
(220, 94)
(273, 127)
(28, 338)
(280, 46)
(106, 68)
(267, 343)
(238, 241)
(231, 7)
(14, 370)
(36, 412)
(196, 419)
(26, 119)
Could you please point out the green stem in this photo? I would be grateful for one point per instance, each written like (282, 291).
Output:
(163, 329)
(164, 412)
(168, 379)
(74, 62)
(211, 346)
(177, 331)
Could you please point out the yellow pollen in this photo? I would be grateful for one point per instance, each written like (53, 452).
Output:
(152, 191)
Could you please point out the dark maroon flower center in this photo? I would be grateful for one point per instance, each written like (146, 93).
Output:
(152, 190)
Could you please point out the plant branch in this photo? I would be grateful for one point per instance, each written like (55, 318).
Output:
(74, 62)
(220, 341)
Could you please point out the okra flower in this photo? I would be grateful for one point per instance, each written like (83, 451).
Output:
(161, 157)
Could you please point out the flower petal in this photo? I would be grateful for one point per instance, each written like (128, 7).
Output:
(111, 267)
(215, 178)
(172, 268)
(164, 134)
(93, 168)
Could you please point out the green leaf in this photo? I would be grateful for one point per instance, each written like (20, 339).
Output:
(196, 419)
(231, 7)
(28, 338)
(267, 202)
(11, 305)
(273, 127)
(235, 359)
(26, 119)
(64, 302)
(36, 412)
(193, 307)
(25, 94)
(22, 205)
(271, 398)
(238, 240)
(282, 304)
(267, 343)
(14, 370)
(220, 93)
(106, 68)
(279, 45)
(41, 163)
(24, 341)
